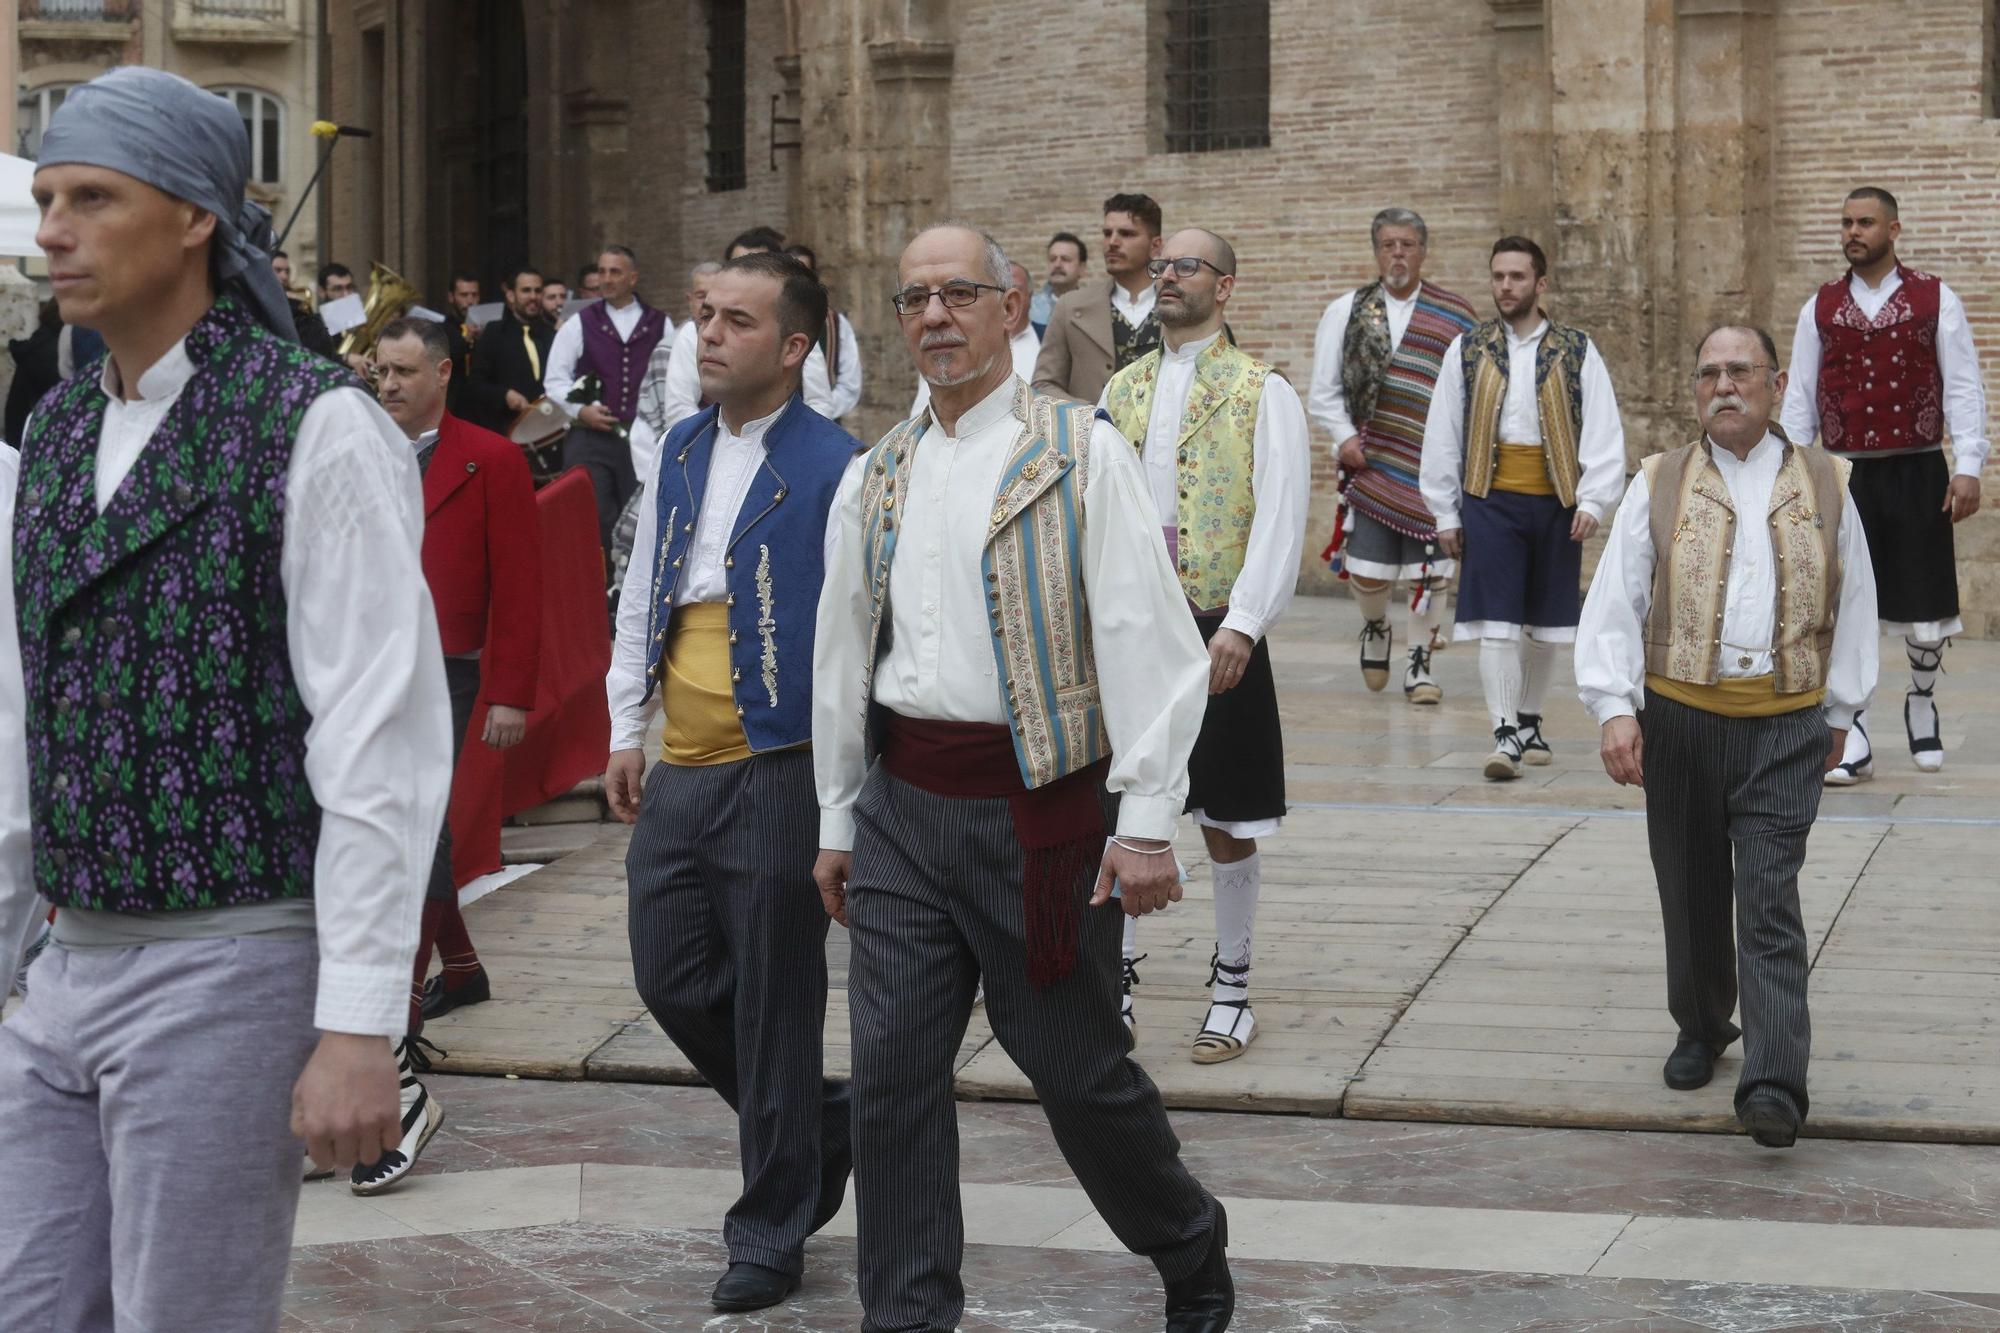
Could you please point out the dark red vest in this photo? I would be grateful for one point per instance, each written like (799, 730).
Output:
(1880, 389)
(619, 364)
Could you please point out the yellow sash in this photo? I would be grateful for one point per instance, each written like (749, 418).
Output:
(1522, 469)
(702, 724)
(1739, 696)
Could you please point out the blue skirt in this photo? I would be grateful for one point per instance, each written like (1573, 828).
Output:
(1520, 568)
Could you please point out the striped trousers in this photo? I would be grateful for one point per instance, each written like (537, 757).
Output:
(729, 951)
(934, 905)
(1729, 803)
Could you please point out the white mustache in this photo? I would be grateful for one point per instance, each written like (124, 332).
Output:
(941, 339)
(1720, 401)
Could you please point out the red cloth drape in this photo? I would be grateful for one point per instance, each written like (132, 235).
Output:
(569, 731)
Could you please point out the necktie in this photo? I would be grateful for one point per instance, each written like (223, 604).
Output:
(534, 357)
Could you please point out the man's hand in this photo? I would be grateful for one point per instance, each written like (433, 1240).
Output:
(594, 416)
(1451, 541)
(1619, 745)
(1582, 527)
(344, 1105)
(1228, 656)
(516, 401)
(1961, 501)
(1147, 881)
(1351, 455)
(505, 726)
(1838, 750)
(624, 783)
(830, 872)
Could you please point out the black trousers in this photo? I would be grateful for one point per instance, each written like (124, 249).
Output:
(1729, 803)
(729, 951)
(608, 460)
(461, 680)
(934, 903)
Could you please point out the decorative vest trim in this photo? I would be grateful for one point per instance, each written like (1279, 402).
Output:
(166, 736)
(1694, 529)
(1033, 565)
(1216, 453)
(775, 564)
(1881, 389)
(1389, 394)
(1558, 398)
(619, 363)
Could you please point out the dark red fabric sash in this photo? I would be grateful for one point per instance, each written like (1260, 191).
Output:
(1060, 824)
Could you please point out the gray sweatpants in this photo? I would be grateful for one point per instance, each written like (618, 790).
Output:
(148, 1172)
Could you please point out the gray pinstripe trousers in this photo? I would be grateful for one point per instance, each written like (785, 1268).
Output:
(934, 904)
(729, 951)
(1729, 803)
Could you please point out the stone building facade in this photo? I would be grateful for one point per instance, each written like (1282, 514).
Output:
(1683, 161)
(263, 54)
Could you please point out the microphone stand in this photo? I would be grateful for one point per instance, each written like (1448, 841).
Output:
(333, 134)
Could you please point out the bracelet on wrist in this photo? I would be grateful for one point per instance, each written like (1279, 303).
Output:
(1163, 849)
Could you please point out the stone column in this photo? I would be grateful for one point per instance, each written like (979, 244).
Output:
(1521, 59)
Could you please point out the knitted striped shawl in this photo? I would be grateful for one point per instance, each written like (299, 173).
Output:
(1393, 435)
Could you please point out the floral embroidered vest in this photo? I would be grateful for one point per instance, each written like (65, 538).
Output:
(1215, 449)
(166, 736)
(619, 363)
(1558, 396)
(1881, 390)
(1033, 566)
(1694, 535)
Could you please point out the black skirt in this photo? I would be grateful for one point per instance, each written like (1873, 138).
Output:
(1900, 501)
(1237, 771)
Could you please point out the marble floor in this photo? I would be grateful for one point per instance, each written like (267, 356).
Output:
(586, 1206)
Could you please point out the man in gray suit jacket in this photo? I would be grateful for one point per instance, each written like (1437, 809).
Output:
(1102, 327)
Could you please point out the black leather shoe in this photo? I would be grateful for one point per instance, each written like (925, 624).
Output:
(751, 1287)
(1204, 1300)
(1691, 1065)
(438, 1001)
(1772, 1123)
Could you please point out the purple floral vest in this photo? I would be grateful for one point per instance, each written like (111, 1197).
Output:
(166, 736)
(619, 364)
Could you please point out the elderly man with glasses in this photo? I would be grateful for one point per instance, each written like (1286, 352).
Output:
(1728, 639)
(1225, 445)
(959, 647)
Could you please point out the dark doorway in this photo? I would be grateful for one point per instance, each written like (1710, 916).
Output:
(478, 56)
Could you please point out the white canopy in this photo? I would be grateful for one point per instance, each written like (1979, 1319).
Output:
(18, 215)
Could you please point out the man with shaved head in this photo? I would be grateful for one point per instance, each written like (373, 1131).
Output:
(957, 647)
(1225, 446)
(1727, 642)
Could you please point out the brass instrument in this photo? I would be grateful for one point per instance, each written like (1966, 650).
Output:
(389, 297)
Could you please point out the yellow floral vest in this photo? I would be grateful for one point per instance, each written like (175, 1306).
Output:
(1217, 445)
(1693, 531)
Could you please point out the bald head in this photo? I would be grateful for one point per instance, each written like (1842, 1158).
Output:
(1204, 243)
(1196, 280)
(957, 301)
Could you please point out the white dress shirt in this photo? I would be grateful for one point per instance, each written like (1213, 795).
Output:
(1152, 667)
(1326, 397)
(1958, 363)
(1134, 306)
(732, 472)
(682, 392)
(846, 391)
(559, 375)
(363, 641)
(1611, 641)
(1280, 481)
(1024, 347)
(1600, 436)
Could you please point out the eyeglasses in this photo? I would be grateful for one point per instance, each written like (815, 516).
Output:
(956, 295)
(1184, 267)
(1739, 372)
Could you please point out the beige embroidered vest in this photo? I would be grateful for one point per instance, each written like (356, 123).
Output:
(1694, 529)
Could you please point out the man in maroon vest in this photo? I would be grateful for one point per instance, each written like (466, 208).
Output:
(609, 342)
(1882, 365)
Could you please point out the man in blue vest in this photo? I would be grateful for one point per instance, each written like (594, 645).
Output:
(234, 711)
(715, 628)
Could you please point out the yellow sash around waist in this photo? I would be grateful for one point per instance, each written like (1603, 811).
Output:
(1741, 696)
(1522, 469)
(702, 725)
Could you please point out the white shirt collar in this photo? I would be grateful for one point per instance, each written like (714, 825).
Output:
(1517, 340)
(1396, 300)
(1188, 351)
(1760, 452)
(988, 411)
(1894, 275)
(425, 438)
(1025, 335)
(753, 433)
(163, 379)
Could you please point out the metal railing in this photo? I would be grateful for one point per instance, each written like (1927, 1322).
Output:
(238, 9)
(87, 11)
(1218, 75)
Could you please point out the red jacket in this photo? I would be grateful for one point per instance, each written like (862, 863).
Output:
(483, 558)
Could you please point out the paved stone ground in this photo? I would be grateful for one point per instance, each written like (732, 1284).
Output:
(1432, 946)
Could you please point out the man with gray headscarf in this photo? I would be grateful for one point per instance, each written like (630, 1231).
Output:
(236, 735)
